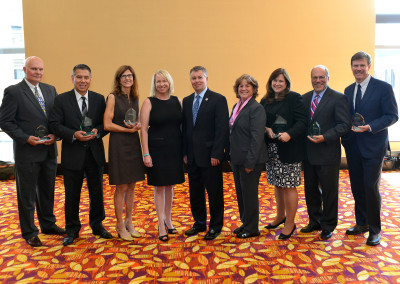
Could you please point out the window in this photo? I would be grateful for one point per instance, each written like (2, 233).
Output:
(387, 50)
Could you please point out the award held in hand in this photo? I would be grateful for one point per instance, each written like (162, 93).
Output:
(279, 125)
(130, 116)
(87, 125)
(314, 130)
(42, 132)
(358, 120)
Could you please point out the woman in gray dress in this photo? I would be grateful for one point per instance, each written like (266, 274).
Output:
(125, 154)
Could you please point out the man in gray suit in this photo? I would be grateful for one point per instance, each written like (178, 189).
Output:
(328, 109)
(25, 107)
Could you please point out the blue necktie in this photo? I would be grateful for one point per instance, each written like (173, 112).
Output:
(358, 98)
(196, 106)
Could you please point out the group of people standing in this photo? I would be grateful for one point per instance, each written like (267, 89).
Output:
(284, 131)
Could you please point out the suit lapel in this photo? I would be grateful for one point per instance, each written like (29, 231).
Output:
(321, 104)
(29, 94)
(203, 105)
(351, 97)
(368, 92)
(74, 103)
(92, 104)
(46, 96)
(241, 113)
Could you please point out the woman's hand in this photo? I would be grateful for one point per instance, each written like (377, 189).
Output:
(284, 137)
(147, 161)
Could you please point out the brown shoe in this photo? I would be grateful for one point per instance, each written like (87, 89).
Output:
(34, 242)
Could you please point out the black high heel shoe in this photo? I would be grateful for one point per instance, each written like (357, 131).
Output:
(163, 238)
(171, 231)
(270, 226)
(282, 236)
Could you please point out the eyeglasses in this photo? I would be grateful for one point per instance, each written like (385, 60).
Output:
(129, 76)
(316, 78)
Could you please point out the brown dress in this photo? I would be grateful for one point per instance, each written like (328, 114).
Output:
(125, 153)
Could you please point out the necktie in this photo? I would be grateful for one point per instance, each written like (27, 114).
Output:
(84, 106)
(358, 98)
(314, 104)
(40, 100)
(196, 106)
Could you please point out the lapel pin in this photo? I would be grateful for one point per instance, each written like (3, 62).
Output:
(206, 99)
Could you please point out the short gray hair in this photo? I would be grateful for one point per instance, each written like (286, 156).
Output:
(322, 67)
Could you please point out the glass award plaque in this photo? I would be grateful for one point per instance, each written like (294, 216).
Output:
(279, 125)
(87, 125)
(130, 116)
(314, 130)
(358, 120)
(42, 132)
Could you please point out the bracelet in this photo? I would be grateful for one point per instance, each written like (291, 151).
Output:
(144, 155)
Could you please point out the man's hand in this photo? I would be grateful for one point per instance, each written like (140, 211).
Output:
(79, 135)
(284, 137)
(51, 140)
(361, 128)
(214, 162)
(316, 139)
(248, 170)
(185, 159)
(33, 140)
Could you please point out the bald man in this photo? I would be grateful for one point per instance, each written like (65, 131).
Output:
(25, 107)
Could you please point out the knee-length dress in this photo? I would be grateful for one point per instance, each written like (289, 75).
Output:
(124, 153)
(165, 142)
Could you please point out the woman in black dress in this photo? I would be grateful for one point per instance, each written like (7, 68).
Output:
(161, 117)
(285, 145)
(125, 154)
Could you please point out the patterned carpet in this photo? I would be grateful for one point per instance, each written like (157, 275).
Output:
(302, 259)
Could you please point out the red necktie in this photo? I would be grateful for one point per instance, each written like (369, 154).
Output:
(314, 104)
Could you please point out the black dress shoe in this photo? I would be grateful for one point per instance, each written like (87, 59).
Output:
(282, 236)
(357, 229)
(211, 234)
(193, 231)
(374, 239)
(55, 231)
(325, 234)
(69, 239)
(238, 230)
(245, 235)
(103, 234)
(270, 226)
(310, 228)
(34, 242)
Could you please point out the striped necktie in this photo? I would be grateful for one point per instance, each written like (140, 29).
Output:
(40, 100)
(195, 109)
(84, 106)
(314, 105)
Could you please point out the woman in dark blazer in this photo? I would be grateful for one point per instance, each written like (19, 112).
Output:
(248, 152)
(285, 145)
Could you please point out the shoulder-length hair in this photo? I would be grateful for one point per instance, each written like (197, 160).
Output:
(167, 76)
(117, 82)
(270, 95)
(251, 80)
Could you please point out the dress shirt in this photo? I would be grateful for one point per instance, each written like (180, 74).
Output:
(201, 97)
(79, 99)
(364, 85)
(32, 87)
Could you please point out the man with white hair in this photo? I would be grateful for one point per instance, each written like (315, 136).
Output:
(328, 120)
(24, 117)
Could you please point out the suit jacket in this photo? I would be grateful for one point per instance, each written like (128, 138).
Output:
(292, 109)
(21, 114)
(333, 117)
(208, 137)
(247, 145)
(379, 109)
(66, 119)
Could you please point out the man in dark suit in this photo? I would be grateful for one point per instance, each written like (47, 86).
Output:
(366, 145)
(82, 152)
(205, 134)
(26, 106)
(328, 109)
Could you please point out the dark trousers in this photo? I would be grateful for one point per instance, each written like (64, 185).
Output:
(246, 185)
(73, 180)
(365, 178)
(321, 188)
(200, 180)
(35, 186)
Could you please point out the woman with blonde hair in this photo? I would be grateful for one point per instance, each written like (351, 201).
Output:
(161, 118)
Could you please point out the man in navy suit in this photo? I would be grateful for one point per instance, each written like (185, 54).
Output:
(366, 145)
(82, 152)
(26, 106)
(205, 135)
(330, 110)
